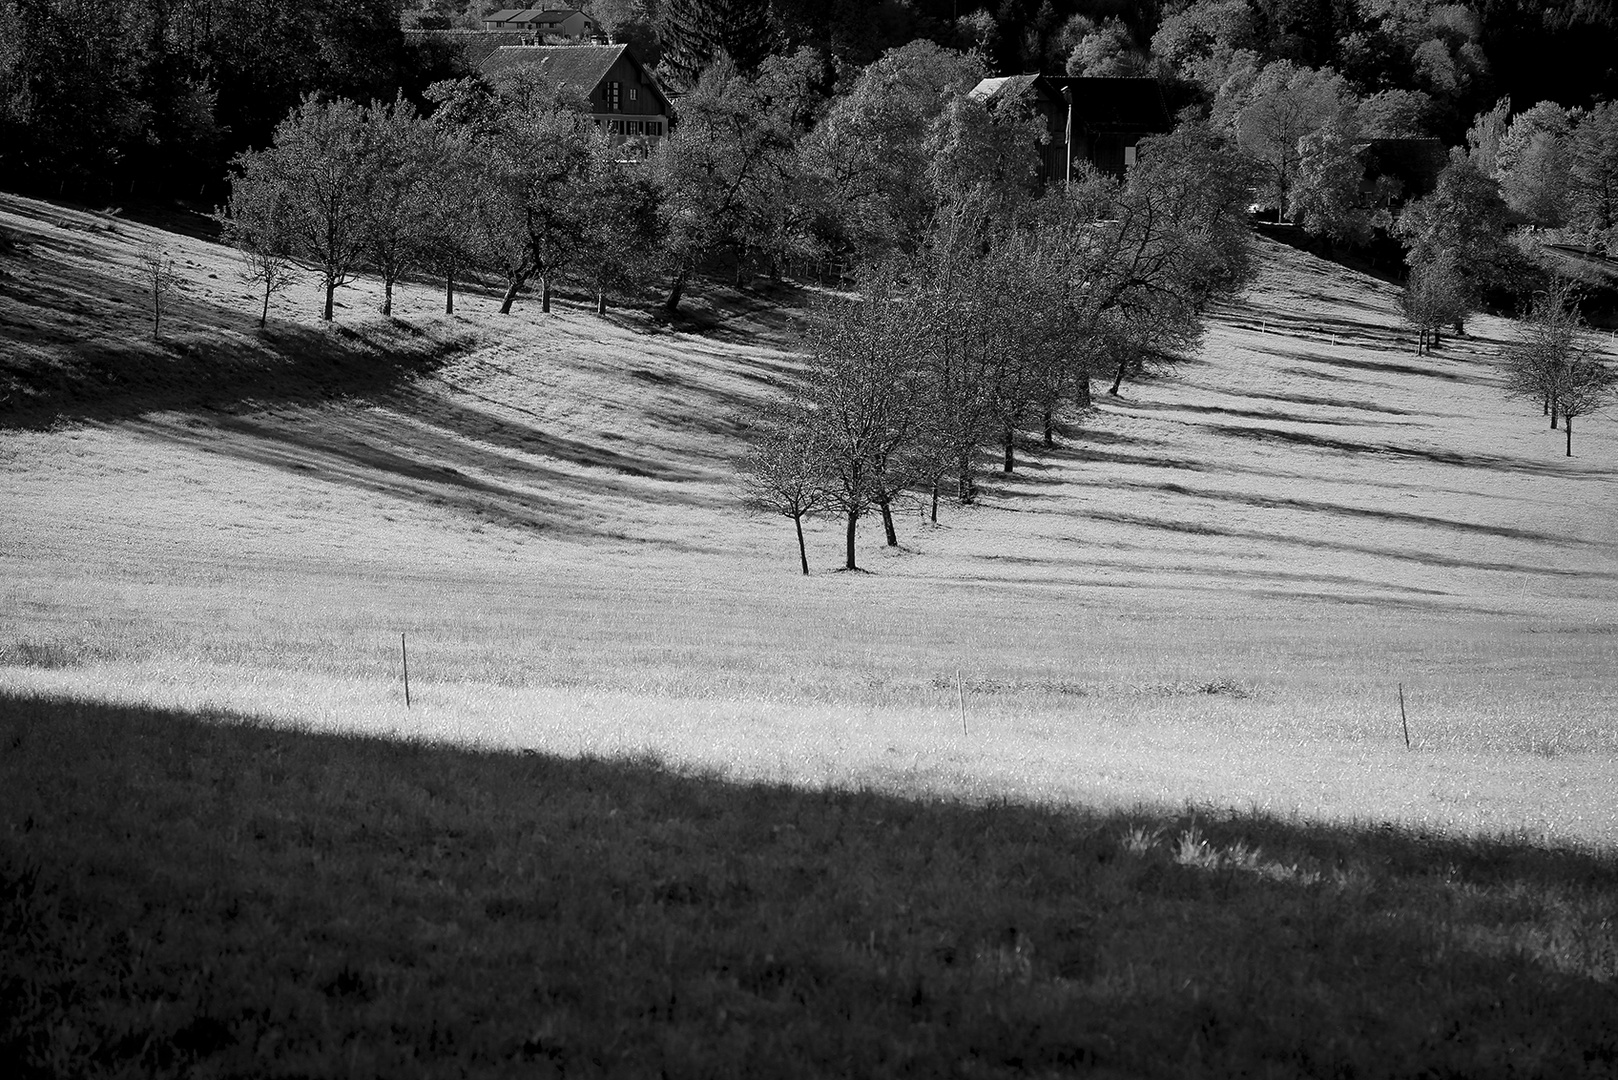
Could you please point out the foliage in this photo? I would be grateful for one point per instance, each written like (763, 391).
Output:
(723, 167)
(696, 33)
(1325, 197)
(1593, 183)
(1531, 163)
(1465, 220)
(318, 167)
(870, 151)
(1277, 108)
(622, 227)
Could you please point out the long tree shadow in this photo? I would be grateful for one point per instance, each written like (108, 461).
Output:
(190, 892)
(81, 347)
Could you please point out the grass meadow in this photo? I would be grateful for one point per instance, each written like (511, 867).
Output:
(1106, 773)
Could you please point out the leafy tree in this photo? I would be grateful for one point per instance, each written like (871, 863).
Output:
(1466, 220)
(870, 151)
(1284, 104)
(1108, 50)
(623, 229)
(319, 166)
(1206, 40)
(989, 147)
(1593, 184)
(1484, 136)
(695, 33)
(1325, 196)
(723, 167)
(1532, 164)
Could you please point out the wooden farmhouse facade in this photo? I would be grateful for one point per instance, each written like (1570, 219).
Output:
(1095, 120)
(624, 100)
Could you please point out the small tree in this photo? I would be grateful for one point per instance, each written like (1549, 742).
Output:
(783, 472)
(1435, 295)
(861, 386)
(255, 223)
(1552, 362)
(1587, 385)
(157, 270)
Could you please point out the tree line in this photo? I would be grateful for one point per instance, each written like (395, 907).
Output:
(993, 328)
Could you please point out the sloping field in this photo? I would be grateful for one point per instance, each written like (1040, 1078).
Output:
(1212, 590)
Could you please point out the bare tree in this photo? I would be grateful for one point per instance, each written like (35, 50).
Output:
(157, 271)
(782, 474)
(1555, 362)
(1587, 385)
(861, 386)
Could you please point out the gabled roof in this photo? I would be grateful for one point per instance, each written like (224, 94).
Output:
(1116, 104)
(502, 15)
(580, 66)
(1013, 86)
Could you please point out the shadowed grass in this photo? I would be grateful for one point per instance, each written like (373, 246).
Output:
(185, 895)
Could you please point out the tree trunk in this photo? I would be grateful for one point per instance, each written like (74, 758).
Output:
(935, 500)
(966, 487)
(1567, 422)
(601, 306)
(1083, 391)
(1555, 409)
(887, 522)
(848, 561)
(331, 288)
(803, 552)
(511, 295)
(1011, 449)
(449, 292)
(387, 295)
(1050, 427)
(1436, 341)
(672, 304)
(545, 294)
(264, 316)
(1118, 380)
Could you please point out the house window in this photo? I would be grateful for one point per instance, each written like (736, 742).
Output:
(615, 97)
(1129, 157)
(634, 92)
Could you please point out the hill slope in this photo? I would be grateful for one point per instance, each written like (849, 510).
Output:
(1211, 590)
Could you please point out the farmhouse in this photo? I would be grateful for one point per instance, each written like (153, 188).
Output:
(624, 99)
(553, 22)
(1095, 120)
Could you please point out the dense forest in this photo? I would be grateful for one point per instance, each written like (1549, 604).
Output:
(151, 98)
